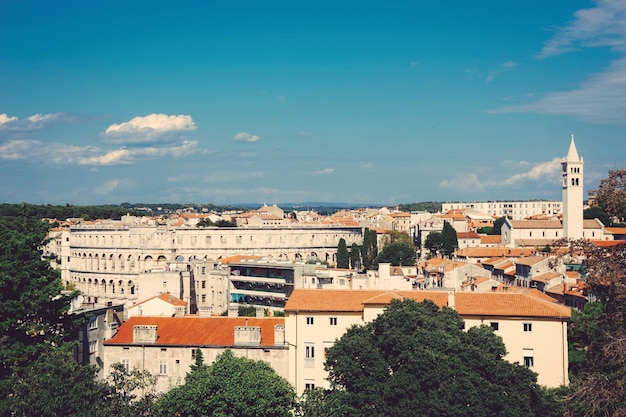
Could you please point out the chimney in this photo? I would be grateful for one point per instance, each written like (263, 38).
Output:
(451, 299)
(233, 310)
(260, 312)
(247, 335)
(205, 311)
(144, 334)
(279, 335)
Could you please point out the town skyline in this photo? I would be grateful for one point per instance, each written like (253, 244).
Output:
(285, 103)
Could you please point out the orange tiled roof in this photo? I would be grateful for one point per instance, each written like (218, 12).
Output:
(512, 304)
(546, 277)
(196, 331)
(608, 243)
(615, 230)
(485, 239)
(536, 224)
(479, 252)
(168, 298)
(329, 300)
(508, 304)
(592, 224)
(467, 235)
(235, 259)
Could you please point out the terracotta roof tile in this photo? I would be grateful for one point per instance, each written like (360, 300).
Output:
(528, 304)
(536, 224)
(490, 239)
(508, 304)
(329, 300)
(196, 331)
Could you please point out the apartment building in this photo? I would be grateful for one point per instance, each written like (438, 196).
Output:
(532, 327)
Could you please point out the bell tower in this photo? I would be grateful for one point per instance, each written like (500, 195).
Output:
(572, 193)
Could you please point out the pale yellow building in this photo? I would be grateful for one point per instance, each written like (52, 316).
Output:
(532, 327)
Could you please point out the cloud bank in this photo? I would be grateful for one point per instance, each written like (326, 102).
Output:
(602, 97)
(151, 128)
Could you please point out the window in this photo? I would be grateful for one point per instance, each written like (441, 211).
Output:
(529, 357)
(309, 321)
(528, 327)
(193, 354)
(309, 384)
(203, 285)
(333, 321)
(207, 240)
(93, 323)
(163, 367)
(203, 298)
(494, 325)
(93, 347)
(126, 365)
(309, 355)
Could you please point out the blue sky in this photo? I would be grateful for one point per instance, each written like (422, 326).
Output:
(374, 103)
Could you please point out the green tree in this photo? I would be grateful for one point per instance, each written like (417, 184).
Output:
(596, 212)
(343, 257)
(127, 386)
(55, 385)
(434, 242)
(369, 249)
(415, 359)
(598, 335)
(231, 386)
(497, 226)
(399, 253)
(33, 310)
(355, 256)
(611, 194)
(450, 241)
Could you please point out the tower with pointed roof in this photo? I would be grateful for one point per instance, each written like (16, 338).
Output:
(572, 193)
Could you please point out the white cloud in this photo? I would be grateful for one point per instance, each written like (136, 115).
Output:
(541, 172)
(128, 156)
(601, 26)
(34, 122)
(60, 154)
(506, 66)
(107, 187)
(150, 128)
(601, 98)
(245, 137)
(324, 171)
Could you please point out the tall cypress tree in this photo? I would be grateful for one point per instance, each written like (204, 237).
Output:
(450, 241)
(343, 257)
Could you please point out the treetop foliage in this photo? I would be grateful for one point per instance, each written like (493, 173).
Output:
(417, 359)
(611, 195)
(429, 206)
(231, 386)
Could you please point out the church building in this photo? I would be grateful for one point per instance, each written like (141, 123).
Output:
(539, 233)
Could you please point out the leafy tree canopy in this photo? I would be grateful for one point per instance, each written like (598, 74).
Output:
(397, 254)
(33, 315)
(429, 206)
(434, 242)
(598, 335)
(231, 386)
(611, 194)
(415, 359)
(497, 226)
(596, 212)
